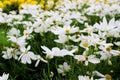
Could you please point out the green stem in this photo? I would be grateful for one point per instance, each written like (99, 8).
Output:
(72, 68)
(48, 66)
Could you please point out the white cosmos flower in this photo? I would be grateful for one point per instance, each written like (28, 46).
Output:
(10, 53)
(20, 41)
(30, 9)
(26, 55)
(26, 23)
(104, 56)
(105, 26)
(67, 29)
(63, 69)
(4, 76)
(108, 28)
(39, 58)
(107, 52)
(102, 7)
(14, 32)
(103, 77)
(27, 32)
(57, 52)
(87, 41)
(117, 43)
(1, 9)
(2, 19)
(75, 38)
(87, 58)
(85, 44)
(12, 17)
(80, 77)
(66, 5)
(89, 29)
(62, 39)
(108, 49)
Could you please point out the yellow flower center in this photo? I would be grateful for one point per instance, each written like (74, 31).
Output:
(79, 62)
(99, 41)
(25, 52)
(77, 36)
(12, 51)
(25, 33)
(85, 44)
(15, 45)
(107, 76)
(87, 30)
(108, 48)
(37, 15)
(86, 57)
(67, 30)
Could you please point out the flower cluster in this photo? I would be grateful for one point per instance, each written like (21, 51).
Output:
(79, 32)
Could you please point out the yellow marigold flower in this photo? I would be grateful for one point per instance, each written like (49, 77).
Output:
(13, 1)
(42, 4)
(20, 7)
(1, 4)
(47, 7)
(21, 1)
(27, 1)
(6, 2)
(33, 2)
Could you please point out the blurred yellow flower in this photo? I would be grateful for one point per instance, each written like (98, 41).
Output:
(1, 4)
(13, 1)
(6, 2)
(21, 1)
(42, 4)
(47, 7)
(20, 7)
(31, 2)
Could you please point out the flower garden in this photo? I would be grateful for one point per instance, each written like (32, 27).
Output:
(59, 39)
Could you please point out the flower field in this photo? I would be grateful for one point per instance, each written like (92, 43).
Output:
(60, 40)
